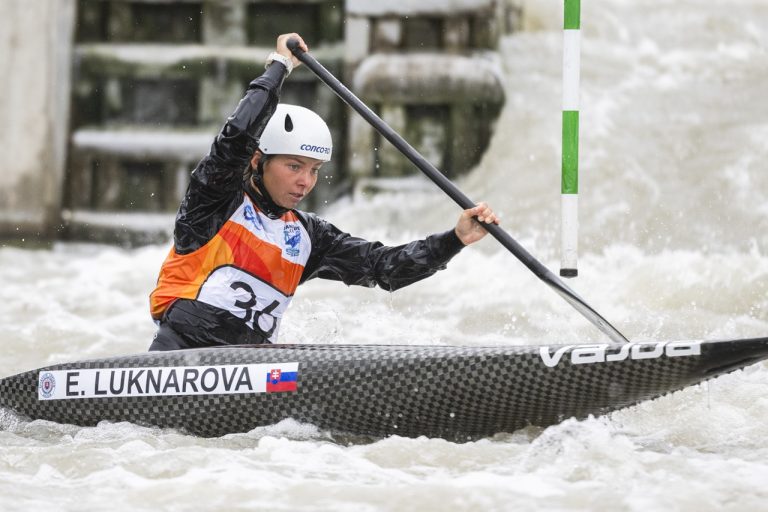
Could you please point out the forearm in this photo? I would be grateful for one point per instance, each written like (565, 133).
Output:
(396, 267)
(338, 256)
(215, 189)
(238, 140)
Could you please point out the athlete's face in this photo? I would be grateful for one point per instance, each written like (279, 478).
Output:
(290, 178)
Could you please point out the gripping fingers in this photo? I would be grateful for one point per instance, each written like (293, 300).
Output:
(282, 41)
(484, 214)
(282, 46)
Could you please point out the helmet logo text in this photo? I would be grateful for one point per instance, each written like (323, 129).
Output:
(315, 149)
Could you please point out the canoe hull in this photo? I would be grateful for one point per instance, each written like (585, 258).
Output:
(457, 393)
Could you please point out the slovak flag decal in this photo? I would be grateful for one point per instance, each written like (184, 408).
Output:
(280, 380)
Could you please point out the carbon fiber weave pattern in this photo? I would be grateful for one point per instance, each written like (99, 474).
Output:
(457, 393)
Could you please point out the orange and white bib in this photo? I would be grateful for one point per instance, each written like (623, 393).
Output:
(250, 268)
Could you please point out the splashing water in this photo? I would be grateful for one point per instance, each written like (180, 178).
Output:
(673, 240)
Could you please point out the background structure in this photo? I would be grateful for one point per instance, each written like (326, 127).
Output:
(125, 96)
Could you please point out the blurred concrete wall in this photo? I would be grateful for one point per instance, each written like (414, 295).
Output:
(35, 62)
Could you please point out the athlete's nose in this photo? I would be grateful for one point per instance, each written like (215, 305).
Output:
(303, 179)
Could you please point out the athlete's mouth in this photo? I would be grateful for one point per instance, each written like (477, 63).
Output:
(297, 197)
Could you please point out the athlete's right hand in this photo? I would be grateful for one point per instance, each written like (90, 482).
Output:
(470, 228)
(282, 47)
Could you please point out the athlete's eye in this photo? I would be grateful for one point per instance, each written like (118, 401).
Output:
(294, 167)
(315, 172)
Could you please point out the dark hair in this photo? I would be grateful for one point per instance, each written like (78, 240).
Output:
(249, 170)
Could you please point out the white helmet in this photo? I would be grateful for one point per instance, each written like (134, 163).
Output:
(294, 130)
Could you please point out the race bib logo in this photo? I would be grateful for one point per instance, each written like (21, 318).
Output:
(292, 237)
(252, 217)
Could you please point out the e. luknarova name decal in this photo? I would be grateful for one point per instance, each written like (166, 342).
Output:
(586, 354)
(167, 381)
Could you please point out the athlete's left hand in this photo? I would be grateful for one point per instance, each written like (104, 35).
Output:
(470, 230)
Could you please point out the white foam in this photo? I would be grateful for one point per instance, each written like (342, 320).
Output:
(673, 245)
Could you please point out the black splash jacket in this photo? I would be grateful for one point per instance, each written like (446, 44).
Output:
(216, 194)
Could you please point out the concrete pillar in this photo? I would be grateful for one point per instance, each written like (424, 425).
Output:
(387, 35)
(392, 162)
(35, 59)
(457, 34)
(361, 148)
(224, 22)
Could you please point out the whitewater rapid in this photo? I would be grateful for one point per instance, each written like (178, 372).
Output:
(673, 245)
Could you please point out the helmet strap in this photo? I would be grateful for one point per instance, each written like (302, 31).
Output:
(266, 204)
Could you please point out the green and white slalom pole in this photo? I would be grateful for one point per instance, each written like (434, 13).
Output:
(569, 187)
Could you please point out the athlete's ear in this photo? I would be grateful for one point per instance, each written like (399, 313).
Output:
(255, 159)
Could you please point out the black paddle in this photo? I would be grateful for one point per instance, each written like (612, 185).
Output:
(454, 193)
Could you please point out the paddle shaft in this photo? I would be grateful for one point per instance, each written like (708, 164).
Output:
(454, 193)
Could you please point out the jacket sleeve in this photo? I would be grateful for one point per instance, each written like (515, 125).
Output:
(216, 185)
(338, 256)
